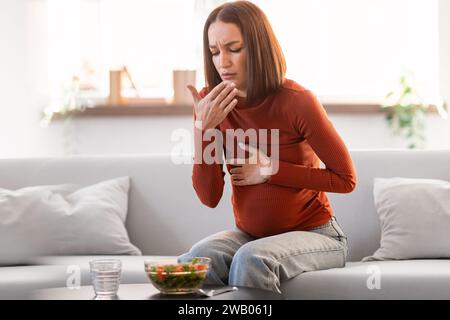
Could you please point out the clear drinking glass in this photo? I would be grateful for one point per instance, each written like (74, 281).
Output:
(105, 274)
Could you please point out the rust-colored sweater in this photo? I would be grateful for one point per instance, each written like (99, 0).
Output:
(294, 198)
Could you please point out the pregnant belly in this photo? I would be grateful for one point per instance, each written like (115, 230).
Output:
(263, 210)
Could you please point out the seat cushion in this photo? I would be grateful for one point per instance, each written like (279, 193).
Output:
(18, 282)
(399, 279)
(132, 266)
(405, 279)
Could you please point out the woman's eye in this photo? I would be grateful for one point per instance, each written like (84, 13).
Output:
(231, 50)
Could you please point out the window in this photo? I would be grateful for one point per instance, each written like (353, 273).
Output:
(347, 50)
(353, 50)
(90, 37)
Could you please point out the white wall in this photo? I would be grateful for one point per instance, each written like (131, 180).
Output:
(154, 135)
(22, 81)
(371, 132)
(444, 49)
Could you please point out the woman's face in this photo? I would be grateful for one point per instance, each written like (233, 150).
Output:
(228, 54)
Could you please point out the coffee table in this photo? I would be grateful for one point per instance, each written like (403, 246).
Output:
(146, 291)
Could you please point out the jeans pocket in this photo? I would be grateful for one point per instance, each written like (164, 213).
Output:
(341, 236)
(337, 227)
(333, 230)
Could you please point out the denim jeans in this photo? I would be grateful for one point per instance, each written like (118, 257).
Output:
(239, 259)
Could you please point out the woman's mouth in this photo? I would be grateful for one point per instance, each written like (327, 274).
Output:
(228, 76)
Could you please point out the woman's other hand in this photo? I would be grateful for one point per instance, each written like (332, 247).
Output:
(215, 106)
(254, 170)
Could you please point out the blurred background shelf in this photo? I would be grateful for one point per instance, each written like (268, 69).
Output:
(130, 109)
(161, 108)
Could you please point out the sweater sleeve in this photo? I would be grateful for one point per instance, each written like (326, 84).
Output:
(207, 179)
(312, 122)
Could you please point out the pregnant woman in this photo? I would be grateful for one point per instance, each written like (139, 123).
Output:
(284, 222)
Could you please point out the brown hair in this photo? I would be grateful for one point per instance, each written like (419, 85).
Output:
(266, 65)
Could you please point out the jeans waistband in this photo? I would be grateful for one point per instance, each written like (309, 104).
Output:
(325, 224)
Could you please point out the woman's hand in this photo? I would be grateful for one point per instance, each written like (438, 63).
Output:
(215, 106)
(254, 170)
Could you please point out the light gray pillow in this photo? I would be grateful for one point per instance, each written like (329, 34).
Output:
(64, 220)
(414, 217)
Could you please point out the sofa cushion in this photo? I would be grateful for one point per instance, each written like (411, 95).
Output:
(402, 279)
(415, 218)
(64, 219)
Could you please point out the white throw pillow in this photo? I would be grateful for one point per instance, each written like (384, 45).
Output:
(414, 217)
(64, 220)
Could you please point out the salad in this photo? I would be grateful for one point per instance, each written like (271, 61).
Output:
(181, 277)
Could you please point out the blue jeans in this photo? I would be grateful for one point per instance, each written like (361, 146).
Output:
(239, 259)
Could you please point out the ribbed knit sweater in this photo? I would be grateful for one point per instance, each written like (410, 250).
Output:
(294, 198)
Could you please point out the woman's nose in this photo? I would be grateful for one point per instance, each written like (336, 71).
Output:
(224, 61)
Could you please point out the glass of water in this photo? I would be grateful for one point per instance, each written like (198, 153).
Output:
(105, 274)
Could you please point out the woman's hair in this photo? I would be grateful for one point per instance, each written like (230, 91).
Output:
(266, 65)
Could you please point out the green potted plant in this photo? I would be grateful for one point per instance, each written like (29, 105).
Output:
(405, 113)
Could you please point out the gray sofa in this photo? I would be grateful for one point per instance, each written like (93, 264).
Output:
(165, 218)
